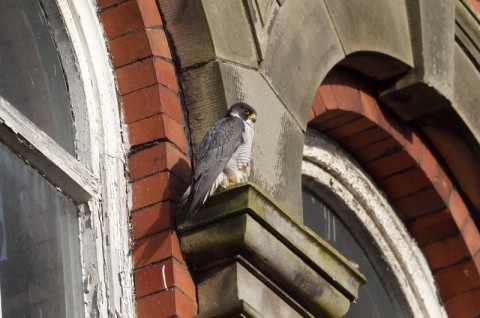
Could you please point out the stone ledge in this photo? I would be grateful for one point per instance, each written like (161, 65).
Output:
(242, 225)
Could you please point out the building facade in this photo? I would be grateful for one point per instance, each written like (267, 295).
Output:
(363, 199)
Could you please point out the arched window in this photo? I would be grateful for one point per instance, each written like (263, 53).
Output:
(55, 260)
(343, 206)
(40, 271)
(373, 300)
(32, 78)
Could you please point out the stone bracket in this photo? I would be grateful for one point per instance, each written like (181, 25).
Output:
(242, 246)
(412, 98)
(428, 87)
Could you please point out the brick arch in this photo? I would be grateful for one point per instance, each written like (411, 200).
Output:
(413, 179)
(158, 163)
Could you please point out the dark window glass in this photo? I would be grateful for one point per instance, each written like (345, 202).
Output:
(39, 246)
(373, 299)
(31, 76)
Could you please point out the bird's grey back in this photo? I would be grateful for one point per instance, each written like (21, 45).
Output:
(216, 149)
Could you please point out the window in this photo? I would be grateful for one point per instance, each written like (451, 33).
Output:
(32, 77)
(64, 249)
(40, 266)
(40, 259)
(373, 298)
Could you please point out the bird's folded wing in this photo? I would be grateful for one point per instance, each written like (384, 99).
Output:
(216, 149)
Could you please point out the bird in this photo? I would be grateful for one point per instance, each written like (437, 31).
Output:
(224, 158)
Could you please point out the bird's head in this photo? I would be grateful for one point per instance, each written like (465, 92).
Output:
(244, 112)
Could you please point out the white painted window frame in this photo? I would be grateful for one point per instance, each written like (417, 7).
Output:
(330, 173)
(95, 180)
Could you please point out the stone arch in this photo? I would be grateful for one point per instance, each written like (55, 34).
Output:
(339, 181)
(416, 183)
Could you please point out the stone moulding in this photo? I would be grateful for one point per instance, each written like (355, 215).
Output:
(243, 232)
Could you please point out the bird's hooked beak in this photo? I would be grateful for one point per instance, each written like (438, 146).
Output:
(252, 117)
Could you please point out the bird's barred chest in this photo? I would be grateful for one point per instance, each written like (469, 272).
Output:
(240, 161)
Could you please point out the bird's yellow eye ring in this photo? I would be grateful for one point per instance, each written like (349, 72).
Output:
(246, 111)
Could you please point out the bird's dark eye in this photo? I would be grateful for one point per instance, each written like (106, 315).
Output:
(246, 111)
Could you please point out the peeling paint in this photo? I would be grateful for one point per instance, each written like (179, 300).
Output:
(104, 224)
(164, 277)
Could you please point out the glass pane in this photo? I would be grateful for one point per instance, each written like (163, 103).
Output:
(31, 76)
(373, 298)
(40, 272)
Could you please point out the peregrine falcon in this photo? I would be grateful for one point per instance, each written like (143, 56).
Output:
(224, 157)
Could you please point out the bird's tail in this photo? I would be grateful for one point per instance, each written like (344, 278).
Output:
(187, 206)
(185, 197)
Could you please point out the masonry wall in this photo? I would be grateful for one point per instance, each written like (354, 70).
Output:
(173, 58)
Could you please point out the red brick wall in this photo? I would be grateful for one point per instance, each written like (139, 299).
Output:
(414, 180)
(159, 168)
(475, 4)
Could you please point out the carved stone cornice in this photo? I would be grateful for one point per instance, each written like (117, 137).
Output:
(243, 248)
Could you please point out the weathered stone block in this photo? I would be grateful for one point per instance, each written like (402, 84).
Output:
(231, 31)
(188, 28)
(227, 292)
(298, 58)
(414, 100)
(467, 28)
(467, 92)
(263, 14)
(209, 29)
(204, 100)
(429, 86)
(373, 26)
(432, 30)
